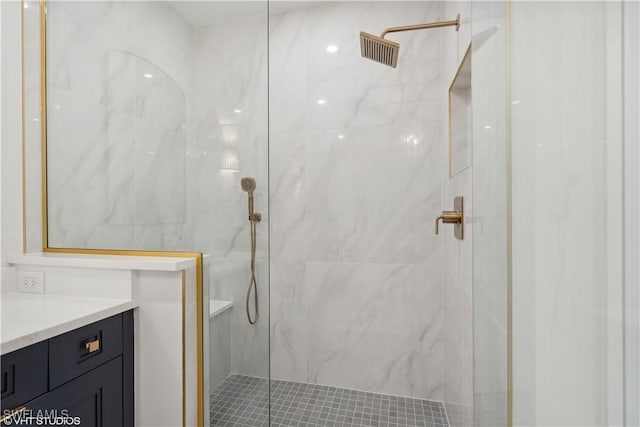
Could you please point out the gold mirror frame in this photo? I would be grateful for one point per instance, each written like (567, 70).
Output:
(196, 256)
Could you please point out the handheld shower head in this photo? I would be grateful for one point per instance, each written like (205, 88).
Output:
(248, 184)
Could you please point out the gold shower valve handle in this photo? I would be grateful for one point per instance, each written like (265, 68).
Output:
(453, 217)
(449, 217)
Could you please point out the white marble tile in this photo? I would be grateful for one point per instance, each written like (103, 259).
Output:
(489, 220)
(288, 70)
(489, 173)
(389, 314)
(120, 164)
(31, 39)
(240, 59)
(159, 182)
(567, 190)
(164, 38)
(355, 184)
(33, 163)
(288, 314)
(490, 377)
(368, 195)
(220, 348)
(249, 343)
(287, 187)
(458, 312)
(103, 114)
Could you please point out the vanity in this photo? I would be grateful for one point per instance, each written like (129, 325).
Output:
(110, 339)
(81, 377)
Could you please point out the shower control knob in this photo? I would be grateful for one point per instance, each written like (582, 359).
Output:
(455, 217)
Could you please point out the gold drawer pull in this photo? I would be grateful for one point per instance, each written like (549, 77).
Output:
(7, 416)
(92, 346)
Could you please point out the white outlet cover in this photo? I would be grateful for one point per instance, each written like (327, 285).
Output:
(31, 282)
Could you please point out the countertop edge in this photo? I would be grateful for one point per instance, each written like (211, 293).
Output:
(113, 262)
(61, 328)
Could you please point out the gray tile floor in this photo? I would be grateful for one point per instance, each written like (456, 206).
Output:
(244, 401)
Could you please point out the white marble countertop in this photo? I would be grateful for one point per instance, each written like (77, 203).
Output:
(30, 318)
(114, 262)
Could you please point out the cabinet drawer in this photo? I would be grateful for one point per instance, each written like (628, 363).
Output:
(83, 349)
(24, 375)
(95, 398)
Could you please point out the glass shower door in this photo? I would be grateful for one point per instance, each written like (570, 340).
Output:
(567, 213)
(232, 214)
(548, 209)
(157, 140)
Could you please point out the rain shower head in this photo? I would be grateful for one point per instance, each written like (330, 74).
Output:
(248, 184)
(386, 51)
(378, 49)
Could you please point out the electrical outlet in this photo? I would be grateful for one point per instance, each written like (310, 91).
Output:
(31, 282)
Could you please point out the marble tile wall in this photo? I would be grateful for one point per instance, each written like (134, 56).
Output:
(117, 89)
(355, 184)
(230, 135)
(153, 120)
(568, 166)
(458, 292)
(489, 183)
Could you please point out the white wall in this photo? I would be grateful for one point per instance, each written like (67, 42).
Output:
(632, 210)
(11, 178)
(355, 185)
(567, 213)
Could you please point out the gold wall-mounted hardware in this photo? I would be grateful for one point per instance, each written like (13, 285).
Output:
(248, 184)
(454, 23)
(386, 51)
(455, 217)
(92, 346)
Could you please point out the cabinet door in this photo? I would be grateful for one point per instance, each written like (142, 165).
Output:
(24, 375)
(95, 397)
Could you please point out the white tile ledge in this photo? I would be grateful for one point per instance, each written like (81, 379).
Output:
(218, 306)
(113, 262)
(31, 318)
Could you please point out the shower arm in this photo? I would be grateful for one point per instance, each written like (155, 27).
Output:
(455, 23)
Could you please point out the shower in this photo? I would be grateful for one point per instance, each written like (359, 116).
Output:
(386, 51)
(248, 184)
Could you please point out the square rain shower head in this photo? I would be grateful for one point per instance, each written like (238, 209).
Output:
(379, 49)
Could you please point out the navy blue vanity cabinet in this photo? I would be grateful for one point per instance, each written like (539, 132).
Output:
(88, 376)
(24, 375)
(92, 399)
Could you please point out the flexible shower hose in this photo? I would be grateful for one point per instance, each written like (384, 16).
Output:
(252, 283)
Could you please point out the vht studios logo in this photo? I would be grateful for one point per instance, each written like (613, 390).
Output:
(28, 417)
